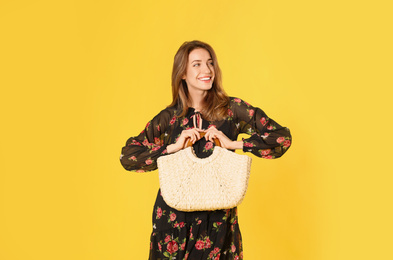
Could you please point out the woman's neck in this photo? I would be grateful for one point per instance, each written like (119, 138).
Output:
(197, 99)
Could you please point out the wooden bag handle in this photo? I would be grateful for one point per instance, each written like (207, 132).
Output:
(189, 143)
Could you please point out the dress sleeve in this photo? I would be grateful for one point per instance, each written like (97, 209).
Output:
(141, 152)
(267, 139)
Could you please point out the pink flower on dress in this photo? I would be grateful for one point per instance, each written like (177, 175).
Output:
(230, 113)
(199, 222)
(287, 143)
(173, 120)
(185, 121)
(219, 223)
(265, 151)
(157, 141)
(208, 145)
(148, 124)
(199, 245)
(248, 144)
(186, 256)
(265, 134)
(267, 157)
(181, 224)
(140, 171)
(132, 158)
(212, 126)
(280, 139)
(159, 247)
(233, 248)
(270, 127)
(148, 161)
(167, 239)
(236, 257)
(216, 250)
(217, 257)
(251, 112)
(173, 217)
(183, 246)
(159, 212)
(237, 100)
(263, 121)
(155, 148)
(158, 128)
(172, 247)
(207, 243)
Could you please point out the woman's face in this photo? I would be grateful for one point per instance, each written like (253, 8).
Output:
(200, 71)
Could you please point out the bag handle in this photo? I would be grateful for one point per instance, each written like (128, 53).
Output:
(199, 119)
(189, 143)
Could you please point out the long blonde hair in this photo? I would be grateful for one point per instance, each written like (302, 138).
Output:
(216, 100)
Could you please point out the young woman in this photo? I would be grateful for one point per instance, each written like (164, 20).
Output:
(198, 97)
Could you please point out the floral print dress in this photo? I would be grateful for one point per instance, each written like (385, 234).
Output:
(200, 234)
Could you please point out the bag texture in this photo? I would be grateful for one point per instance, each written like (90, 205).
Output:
(189, 183)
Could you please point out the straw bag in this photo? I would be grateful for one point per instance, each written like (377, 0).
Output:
(189, 183)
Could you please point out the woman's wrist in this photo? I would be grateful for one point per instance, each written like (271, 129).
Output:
(237, 145)
(172, 148)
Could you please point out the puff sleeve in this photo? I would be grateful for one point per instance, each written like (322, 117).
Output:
(267, 139)
(141, 152)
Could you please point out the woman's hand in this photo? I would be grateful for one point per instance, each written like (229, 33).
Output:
(193, 134)
(227, 143)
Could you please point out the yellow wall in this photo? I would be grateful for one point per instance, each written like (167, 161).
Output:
(78, 78)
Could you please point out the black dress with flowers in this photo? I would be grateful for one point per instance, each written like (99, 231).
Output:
(200, 235)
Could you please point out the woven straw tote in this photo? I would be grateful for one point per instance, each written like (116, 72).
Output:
(189, 183)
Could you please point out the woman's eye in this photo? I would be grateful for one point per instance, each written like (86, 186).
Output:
(196, 64)
(212, 64)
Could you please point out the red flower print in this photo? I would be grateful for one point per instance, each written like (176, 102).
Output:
(148, 124)
(148, 161)
(181, 224)
(211, 254)
(176, 225)
(237, 100)
(159, 212)
(199, 222)
(241, 255)
(140, 171)
(217, 257)
(135, 142)
(230, 113)
(167, 239)
(185, 121)
(263, 121)
(186, 256)
(267, 157)
(233, 248)
(208, 145)
(287, 143)
(145, 142)
(236, 257)
(266, 134)
(212, 126)
(219, 223)
(158, 128)
(164, 152)
(247, 103)
(183, 246)
(132, 158)
(234, 222)
(188, 128)
(248, 144)
(251, 112)
(207, 243)
(173, 217)
(173, 120)
(159, 247)
(155, 148)
(216, 250)
(269, 127)
(265, 151)
(199, 245)
(157, 141)
(280, 139)
(172, 247)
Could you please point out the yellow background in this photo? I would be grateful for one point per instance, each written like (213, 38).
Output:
(78, 78)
